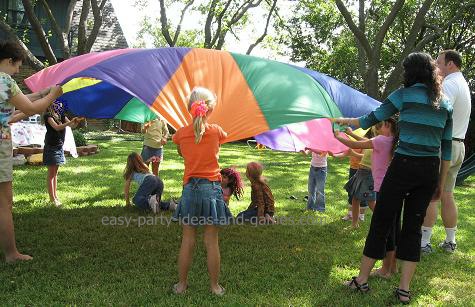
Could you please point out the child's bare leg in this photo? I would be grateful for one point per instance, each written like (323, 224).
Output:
(385, 271)
(7, 232)
(185, 257)
(355, 211)
(50, 182)
(155, 167)
(393, 264)
(372, 204)
(213, 257)
(55, 181)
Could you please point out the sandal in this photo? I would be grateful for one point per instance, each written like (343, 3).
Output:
(220, 292)
(353, 284)
(175, 290)
(402, 293)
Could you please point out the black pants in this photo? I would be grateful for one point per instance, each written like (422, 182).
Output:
(410, 181)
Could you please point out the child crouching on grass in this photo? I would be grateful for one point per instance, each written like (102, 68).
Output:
(149, 193)
(232, 184)
(262, 200)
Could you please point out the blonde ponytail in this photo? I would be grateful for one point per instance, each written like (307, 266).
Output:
(207, 99)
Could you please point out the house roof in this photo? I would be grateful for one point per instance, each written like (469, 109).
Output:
(110, 35)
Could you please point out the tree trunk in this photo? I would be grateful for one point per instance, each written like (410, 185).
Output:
(40, 33)
(62, 37)
(362, 58)
(261, 38)
(82, 39)
(97, 12)
(372, 78)
(31, 59)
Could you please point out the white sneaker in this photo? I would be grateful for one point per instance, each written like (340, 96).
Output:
(347, 217)
(154, 204)
(361, 217)
(57, 203)
(426, 249)
(448, 246)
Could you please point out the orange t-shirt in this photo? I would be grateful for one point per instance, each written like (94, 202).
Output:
(355, 161)
(201, 160)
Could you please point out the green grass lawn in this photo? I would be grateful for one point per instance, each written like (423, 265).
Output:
(80, 261)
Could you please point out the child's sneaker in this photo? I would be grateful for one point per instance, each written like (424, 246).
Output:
(173, 205)
(361, 217)
(448, 246)
(57, 203)
(154, 204)
(347, 217)
(426, 249)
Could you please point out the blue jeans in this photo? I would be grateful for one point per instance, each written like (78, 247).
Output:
(151, 185)
(247, 215)
(316, 188)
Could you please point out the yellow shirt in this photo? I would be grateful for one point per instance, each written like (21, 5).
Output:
(156, 132)
(366, 160)
(355, 161)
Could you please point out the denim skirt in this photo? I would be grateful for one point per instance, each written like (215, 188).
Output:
(361, 185)
(150, 152)
(202, 203)
(53, 155)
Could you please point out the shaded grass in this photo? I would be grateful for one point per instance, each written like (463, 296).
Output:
(78, 260)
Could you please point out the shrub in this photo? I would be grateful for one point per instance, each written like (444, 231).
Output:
(79, 138)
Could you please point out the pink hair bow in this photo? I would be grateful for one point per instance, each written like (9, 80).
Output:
(199, 108)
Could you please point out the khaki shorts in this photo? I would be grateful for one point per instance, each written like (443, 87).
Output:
(458, 154)
(6, 161)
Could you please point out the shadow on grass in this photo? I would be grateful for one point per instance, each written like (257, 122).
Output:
(79, 260)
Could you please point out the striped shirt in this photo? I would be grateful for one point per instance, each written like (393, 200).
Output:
(423, 130)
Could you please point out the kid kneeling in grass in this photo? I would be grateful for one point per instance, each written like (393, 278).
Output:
(262, 200)
(149, 193)
(231, 184)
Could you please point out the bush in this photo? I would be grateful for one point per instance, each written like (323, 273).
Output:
(79, 138)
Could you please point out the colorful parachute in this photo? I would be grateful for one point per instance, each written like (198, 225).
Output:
(254, 95)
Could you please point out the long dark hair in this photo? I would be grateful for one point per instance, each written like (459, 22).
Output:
(393, 123)
(235, 182)
(419, 67)
(134, 164)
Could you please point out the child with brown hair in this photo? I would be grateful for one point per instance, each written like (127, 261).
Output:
(53, 152)
(156, 134)
(262, 200)
(231, 184)
(149, 192)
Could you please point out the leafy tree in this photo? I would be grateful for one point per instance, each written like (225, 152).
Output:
(365, 47)
(88, 28)
(219, 18)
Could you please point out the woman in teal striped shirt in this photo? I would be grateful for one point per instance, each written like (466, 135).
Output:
(413, 177)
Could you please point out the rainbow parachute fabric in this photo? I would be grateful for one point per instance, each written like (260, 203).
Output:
(254, 95)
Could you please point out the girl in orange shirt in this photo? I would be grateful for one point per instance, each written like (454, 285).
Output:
(202, 200)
